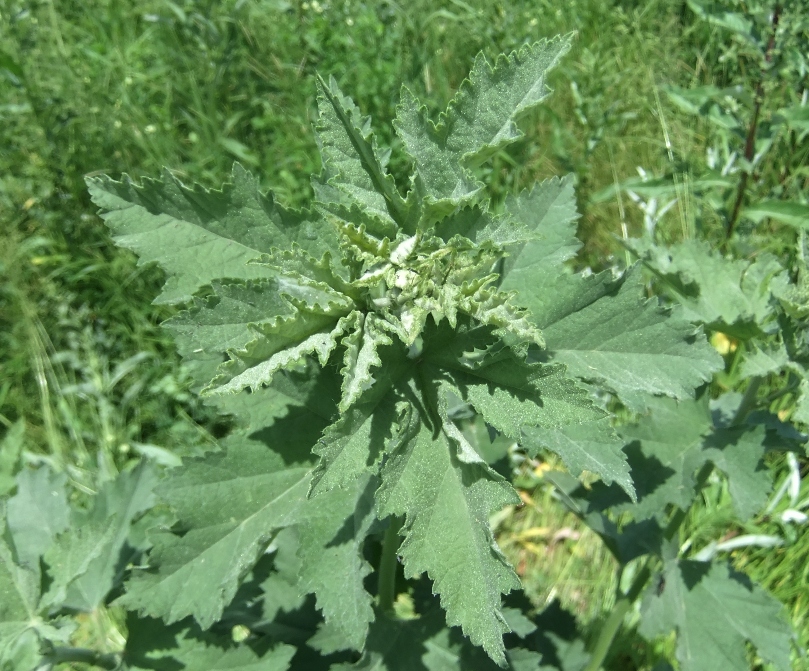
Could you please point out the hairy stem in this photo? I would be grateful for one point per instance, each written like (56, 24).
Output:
(84, 656)
(612, 626)
(389, 562)
(750, 140)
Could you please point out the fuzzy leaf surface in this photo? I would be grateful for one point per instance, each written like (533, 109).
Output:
(331, 530)
(446, 504)
(198, 235)
(480, 120)
(604, 332)
(351, 158)
(229, 504)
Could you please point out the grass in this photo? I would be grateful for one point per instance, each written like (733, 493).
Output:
(109, 86)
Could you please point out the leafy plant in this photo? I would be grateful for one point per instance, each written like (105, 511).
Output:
(387, 358)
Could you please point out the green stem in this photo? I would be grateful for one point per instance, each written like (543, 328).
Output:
(84, 656)
(613, 624)
(388, 564)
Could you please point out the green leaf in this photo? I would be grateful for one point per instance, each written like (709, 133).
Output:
(666, 447)
(739, 452)
(102, 533)
(351, 159)
(725, 294)
(151, 645)
(361, 355)
(281, 343)
(331, 529)
(763, 360)
(479, 121)
(605, 332)
(794, 214)
(19, 597)
(548, 212)
(197, 235)
(714, 611)
(592, 446)
(447, 504)
(229, 504)
(37, 513)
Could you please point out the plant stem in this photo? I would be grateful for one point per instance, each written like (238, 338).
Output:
(613, 624)
(386, 589)
(750, 141)
(84, 656)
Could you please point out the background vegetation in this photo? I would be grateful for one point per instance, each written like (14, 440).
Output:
(88, 381)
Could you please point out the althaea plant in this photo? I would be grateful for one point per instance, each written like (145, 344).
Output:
(352, 342)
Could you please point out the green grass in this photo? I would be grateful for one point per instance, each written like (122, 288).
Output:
(123, 86)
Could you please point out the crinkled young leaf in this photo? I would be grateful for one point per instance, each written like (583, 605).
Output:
(607, 333)
(446, 504)
(361, 355)
(282, 343)
(714, 611)
(198, 235)
(479, 121)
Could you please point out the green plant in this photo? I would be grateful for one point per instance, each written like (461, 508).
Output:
(388, 359)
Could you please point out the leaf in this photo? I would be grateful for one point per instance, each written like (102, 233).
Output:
(739, 452)
(666, 447)
(548, 211)
(763, 360)
(604, 332)
(355, 443)
(447, 504)
(37, 513)
(151, 645)
(197, 235)
(725, 294)
(360, 357)
(332, 528)
(714, 611)
(228, 504)
(19, 596)
(115, 507)
(794, 214)
(592, 446)
(282, 343)
(479, 121)
(351, 158)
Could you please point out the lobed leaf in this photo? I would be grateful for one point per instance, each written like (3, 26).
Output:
(714, 611)
(446, 505)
